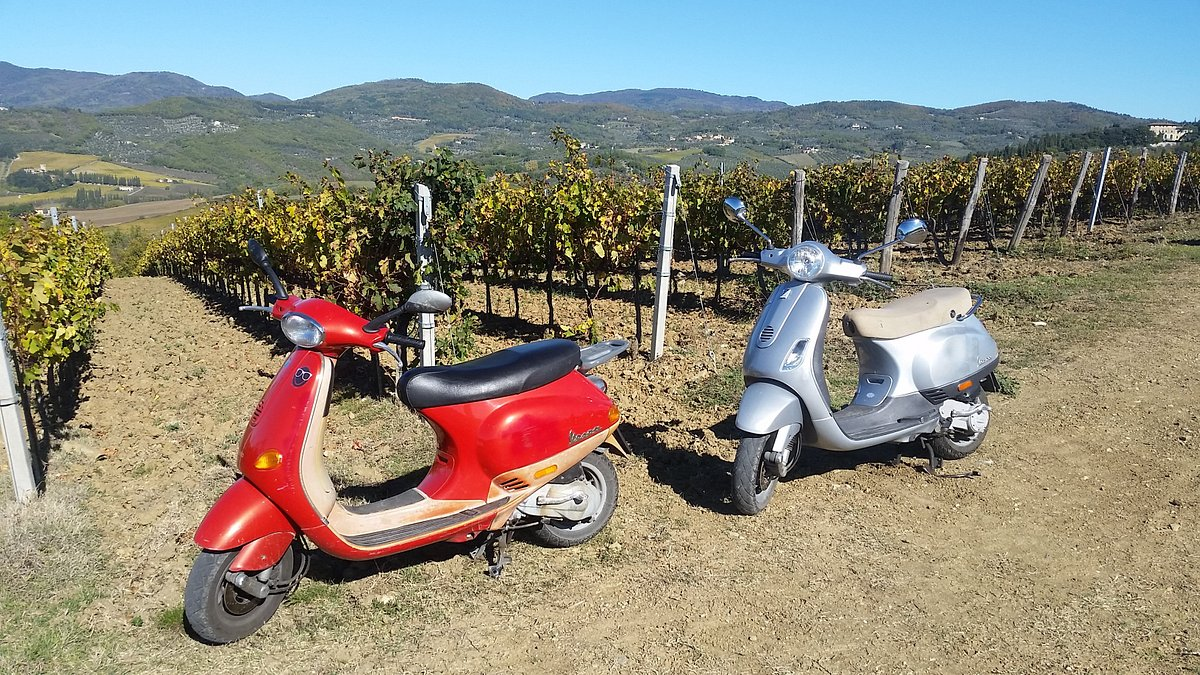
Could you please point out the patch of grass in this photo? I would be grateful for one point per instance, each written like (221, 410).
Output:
(313, 592)
(1076, 308)
(50, 574)
(169, 619)
(721, 389)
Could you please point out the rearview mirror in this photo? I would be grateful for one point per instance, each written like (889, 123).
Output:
(735, 210)
(427, 301)
(912, 231)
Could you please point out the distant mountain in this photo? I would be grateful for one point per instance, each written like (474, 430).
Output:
(667, 100)
(254, 140)
(93, 92)
(270, 97)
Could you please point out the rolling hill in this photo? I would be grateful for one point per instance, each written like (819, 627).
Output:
(92, 92)
(184, 124)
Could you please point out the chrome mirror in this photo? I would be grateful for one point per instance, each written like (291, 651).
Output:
(735, 210)
(912, 231)
(427, 301)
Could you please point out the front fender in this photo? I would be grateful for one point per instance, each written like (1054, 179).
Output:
(240, 516)
(767, 406)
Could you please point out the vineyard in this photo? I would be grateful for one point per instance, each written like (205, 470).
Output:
(52, 277)
(1073, 548)
(590, 229)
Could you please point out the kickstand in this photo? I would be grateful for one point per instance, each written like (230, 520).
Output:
(496, 550)
(935, 465)
(935, 462)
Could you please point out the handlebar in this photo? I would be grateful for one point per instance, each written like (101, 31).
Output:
(404, 341)
(878, 276)
(379, 321)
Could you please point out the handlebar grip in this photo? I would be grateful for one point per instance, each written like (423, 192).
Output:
(404, 341)
(878, 276)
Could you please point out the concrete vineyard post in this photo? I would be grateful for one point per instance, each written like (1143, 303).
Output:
(20, 464)
(424, 202)
(1083, 168)
(893, 215)
(1178, 181)
(969, 212)
(798, 206)
(662, 284)
(1030, 202)
(1099, 189)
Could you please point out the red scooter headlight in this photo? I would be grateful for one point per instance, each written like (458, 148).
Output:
(302, 330)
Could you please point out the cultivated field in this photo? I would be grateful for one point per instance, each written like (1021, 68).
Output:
(1074, 549)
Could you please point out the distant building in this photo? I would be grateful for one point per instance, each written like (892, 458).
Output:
(1169, 133)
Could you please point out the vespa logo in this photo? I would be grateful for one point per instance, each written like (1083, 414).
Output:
(576, 438)
(302, 376)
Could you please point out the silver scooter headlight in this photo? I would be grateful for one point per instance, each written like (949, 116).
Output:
(806, 261)
(302, 331)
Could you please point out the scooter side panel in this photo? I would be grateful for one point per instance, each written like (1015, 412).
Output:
(767, 406)
(484, 439)
(931, 358)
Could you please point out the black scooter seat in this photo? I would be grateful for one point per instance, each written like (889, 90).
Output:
(503, 373)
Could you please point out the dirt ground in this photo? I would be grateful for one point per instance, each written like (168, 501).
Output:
(1075, 549)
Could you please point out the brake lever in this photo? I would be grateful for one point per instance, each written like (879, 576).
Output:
(879, 283)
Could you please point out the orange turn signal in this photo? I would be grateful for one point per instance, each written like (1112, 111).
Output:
(546, 471)
(613, 415)
(966, 385)
(269, 460)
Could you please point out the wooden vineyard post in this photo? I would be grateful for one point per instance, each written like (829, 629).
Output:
(20, 464)
(1178, 181)
(1137, 185)
(1030, 202)
(893, 214)
(969, 212)
(424, 257)
(662, 284)
(798, 206)
(1087, 161)
(1099, 189)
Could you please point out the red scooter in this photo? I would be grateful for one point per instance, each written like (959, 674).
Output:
(522, 440)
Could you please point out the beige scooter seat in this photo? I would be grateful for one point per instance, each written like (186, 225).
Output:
(905, 316)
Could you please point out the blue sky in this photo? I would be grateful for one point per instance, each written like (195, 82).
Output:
(1139, 58)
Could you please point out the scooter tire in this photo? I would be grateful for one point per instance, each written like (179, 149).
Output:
(217, 612)
(753, 482)
(945, 447)
(599, 470)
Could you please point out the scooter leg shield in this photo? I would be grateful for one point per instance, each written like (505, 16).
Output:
(242, 516)
(766, 407)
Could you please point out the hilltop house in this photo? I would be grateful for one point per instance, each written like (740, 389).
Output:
(1168, 133)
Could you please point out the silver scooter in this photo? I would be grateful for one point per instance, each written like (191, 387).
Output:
(925, 363)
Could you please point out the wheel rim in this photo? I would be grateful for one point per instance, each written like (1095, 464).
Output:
(766, 476)
(235, 602)
(593, 476)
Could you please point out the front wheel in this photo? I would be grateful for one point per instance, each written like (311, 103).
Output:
(754, 478)
(217, 611)
(561, 533)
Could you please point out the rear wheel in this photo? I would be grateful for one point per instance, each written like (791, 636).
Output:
(217, 611)
(754, 478)
(966, 434)
(561, 533)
